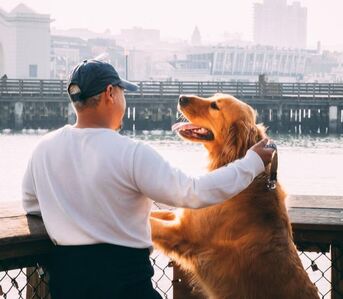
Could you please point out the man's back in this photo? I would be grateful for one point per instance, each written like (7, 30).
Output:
(87, 194)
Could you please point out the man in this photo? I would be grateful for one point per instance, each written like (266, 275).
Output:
(94, 189)
(4, 83)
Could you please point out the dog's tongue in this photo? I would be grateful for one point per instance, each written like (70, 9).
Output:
(183, 125)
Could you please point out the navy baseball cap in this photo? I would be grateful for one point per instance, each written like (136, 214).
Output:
(92, 77)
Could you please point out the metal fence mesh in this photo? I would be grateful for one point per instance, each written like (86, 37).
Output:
(29, 282)
(24, 283)
(318, 267)
(163, 278)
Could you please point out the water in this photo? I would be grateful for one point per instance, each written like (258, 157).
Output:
(307, 165)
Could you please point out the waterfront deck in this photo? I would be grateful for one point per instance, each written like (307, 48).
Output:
(317, 223)
(310, 108)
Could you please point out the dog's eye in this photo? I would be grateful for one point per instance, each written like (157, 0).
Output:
(214, 105)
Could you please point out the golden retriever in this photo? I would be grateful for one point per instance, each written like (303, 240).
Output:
(242, 248)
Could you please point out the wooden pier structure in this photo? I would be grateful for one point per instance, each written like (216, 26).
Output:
(308, 108)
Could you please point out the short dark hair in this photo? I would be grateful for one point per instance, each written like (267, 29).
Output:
(90, 102)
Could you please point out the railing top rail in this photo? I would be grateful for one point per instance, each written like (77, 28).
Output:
(16, 227)
(165, 88)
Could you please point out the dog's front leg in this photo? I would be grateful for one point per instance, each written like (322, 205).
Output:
(165, 233)
(168, 237)
(163, 214)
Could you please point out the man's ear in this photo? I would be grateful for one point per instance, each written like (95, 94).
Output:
(110, 93)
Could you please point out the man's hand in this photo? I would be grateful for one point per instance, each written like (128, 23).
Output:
(264, 152)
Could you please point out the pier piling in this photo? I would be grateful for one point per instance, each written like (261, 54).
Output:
(18, 115)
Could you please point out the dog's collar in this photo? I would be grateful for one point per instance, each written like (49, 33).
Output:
(271, 183)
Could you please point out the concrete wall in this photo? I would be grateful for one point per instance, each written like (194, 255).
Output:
(7, 46)
(33, 48)
(2, 66)
(24, 41)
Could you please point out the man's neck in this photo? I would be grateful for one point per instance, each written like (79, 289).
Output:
(88, 119)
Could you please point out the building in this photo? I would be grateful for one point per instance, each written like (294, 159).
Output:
(66, 52)
(241, 63)
(24, 43)
(280, 25)
(196, 37)
(325, 67)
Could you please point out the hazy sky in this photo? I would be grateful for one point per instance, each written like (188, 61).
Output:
(177, 18)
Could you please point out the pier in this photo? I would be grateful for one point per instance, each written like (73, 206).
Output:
(316, 222)
(300, 108)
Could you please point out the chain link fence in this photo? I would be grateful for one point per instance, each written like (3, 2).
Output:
(24, 283)
(33, 282)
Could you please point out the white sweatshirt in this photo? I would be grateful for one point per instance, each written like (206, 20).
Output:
(97, 186)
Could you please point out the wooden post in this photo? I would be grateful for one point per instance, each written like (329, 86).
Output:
(18, 115)
(141, 88)
(298, 92)
(41, 87)
(333, 119)
(262, 84)
(337, 270)
(279, 117)
(61, 87)
(172, 112)
(161, 88)
(36, 287)
(21, 86)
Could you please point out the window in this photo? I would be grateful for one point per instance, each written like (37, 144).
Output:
(33, 70)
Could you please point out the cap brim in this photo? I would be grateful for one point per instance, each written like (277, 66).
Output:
(128, 85)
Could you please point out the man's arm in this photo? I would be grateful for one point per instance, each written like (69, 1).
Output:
(29, 198)
(157, 179)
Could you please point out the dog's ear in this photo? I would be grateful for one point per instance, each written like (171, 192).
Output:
(240, 138)
(245, 138)
(261, 131)
(254, 134)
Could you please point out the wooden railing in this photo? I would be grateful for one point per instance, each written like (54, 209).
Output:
(316, 221)
(14, 87)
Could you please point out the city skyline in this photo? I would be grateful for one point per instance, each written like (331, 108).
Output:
(178, 19)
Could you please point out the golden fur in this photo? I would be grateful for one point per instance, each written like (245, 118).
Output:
(242, 248)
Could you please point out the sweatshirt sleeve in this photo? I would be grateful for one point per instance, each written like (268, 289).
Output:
(29, 198)
(157, 179)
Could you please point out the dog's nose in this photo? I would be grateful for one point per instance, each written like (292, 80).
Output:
(183, 100)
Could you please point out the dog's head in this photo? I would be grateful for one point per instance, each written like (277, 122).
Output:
(225, 125)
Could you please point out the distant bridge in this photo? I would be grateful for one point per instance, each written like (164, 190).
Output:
(284, 107)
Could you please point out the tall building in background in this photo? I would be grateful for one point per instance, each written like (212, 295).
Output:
(281, 25)
(24, 43)
(196, 37)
